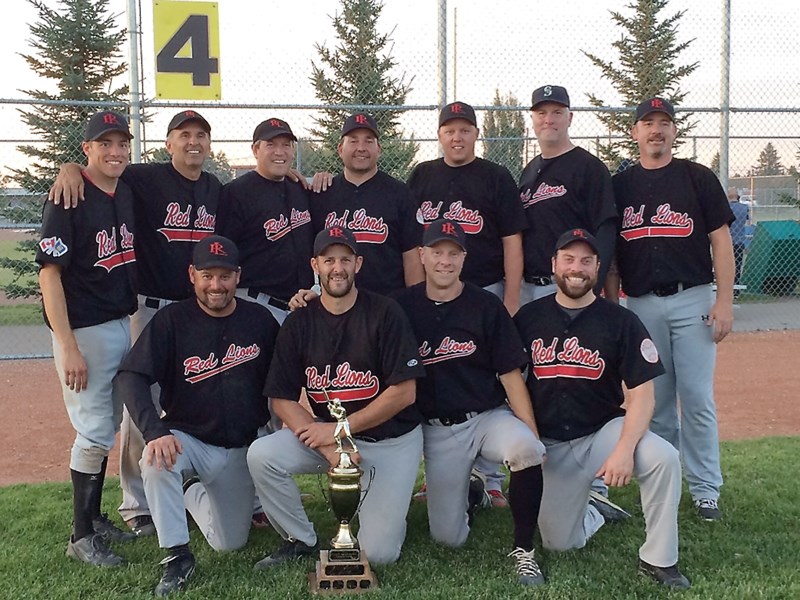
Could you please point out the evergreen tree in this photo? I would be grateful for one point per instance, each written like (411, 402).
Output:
(504, 133)
(715, 163)
(768, 163)
(358, 72)
(78, 48)
(646, 66)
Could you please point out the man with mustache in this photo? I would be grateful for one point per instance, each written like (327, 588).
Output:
(359, 347)
(674, 242)
(580, 350)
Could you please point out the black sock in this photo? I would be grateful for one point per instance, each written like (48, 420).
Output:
(82, 500)
(181, 550)
(97, 489)
(525, 498)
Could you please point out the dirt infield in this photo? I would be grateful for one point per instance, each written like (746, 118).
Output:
(756, 394)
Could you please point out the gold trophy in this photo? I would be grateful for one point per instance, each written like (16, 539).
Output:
(343, 568)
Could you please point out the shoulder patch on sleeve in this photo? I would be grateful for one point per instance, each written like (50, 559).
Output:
(53, 246)
(649, 351)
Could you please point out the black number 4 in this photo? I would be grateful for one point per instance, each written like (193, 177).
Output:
(200, 65)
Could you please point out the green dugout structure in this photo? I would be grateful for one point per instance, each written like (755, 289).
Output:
(772, 263)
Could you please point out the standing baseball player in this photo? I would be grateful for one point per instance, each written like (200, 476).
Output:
(741, 213)
(268, 218)
(175, 204)
(358, 347)
(674, 218)
(210, 355)
(561, 188)
(375, 206)
(581, 350)
(481, 196)
(87, 279)
(472, 356)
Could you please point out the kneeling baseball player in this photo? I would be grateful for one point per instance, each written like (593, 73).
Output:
(210, 354)
(472, 356)
(581, 350)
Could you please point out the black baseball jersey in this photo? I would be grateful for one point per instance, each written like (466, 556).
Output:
(577, 366)
(211, 371)
(464, 345)
(667, 214)
(561, 193)
(354, 356)
(380, 215)
(270, 223)
(172, 213)
(94, 246)
(482, 197)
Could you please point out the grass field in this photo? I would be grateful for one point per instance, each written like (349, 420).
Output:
(752, 553)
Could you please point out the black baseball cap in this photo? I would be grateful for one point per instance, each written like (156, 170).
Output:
(444, 230)
(550, 93)
(215, 251)
(360, 120)
(334, 235)
(184, 117)
(104, 121)
(272, 128)
(457, 110)
(576, 235)
(652, 105)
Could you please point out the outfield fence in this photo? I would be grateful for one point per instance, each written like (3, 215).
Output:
(741, 99)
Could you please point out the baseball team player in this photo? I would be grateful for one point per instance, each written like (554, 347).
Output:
(674, 241)
(375, 206)
(481, 196)
(267, 216)
(356, 346)
(87, 280)
(210, 354)
(581, 348)
(741, 213)
(472, 356)
(175, 205)
(561, 188)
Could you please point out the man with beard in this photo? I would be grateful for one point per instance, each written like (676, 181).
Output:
(674, 241)
(210, 355)
(175, 205)
(356, 346)
(581, 348)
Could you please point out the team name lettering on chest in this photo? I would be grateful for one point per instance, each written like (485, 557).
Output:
(427, 212)
(347, 384)
(665, 223)
(197, 368)
(543, 192)
(573, 361)
(108, 256)
(448, 349)
(178, 226)
(365, 228)
(470, 219)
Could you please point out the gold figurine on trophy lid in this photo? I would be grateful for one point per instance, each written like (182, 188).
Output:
(343, 568)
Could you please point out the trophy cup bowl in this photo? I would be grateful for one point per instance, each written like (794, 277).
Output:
(344, 493)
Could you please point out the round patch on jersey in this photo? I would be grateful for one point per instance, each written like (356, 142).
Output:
(412, 363)
(648, 350)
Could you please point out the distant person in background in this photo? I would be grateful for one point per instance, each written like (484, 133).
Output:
(742, 214)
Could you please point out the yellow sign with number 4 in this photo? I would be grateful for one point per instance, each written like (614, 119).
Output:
(187, 53)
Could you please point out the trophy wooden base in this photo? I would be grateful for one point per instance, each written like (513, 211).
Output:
(342, 572)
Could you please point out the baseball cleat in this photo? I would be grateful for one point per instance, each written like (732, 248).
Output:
(109, 531)
(708, 509)
(528, 570)
(178, 568)
(142, 525)
(668, 576)
(497, 498)
(422, 494)
(612, 513)
(290, 550)
(93, 550)
(260, 521)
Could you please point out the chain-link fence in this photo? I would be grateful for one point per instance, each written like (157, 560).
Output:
(491, 56)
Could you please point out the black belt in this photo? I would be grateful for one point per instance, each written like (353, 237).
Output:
(153, 303)
(671, 289)
(452, 420)
(541, 280)
(271, 300)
